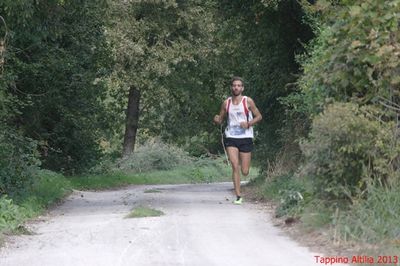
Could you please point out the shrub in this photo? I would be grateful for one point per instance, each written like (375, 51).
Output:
(18, 161)
(347, 147)
(10, 214)
(153, 155)
(197, 145)
(355, 55)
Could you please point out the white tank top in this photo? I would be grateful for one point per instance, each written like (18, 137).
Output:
(237, 114)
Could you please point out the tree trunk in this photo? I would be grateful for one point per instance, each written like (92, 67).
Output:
(132, 121)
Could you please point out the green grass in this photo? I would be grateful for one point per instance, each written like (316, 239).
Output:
(179, 175)
(213, 171)
(374, 221)
(47, 189)
(142, 211)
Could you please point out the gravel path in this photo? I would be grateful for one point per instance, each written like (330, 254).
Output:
(200, 227)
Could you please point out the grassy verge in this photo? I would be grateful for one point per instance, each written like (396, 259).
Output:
(47, 188)
(202, 171)
(178, 175)
(373, 223)
(368, 225)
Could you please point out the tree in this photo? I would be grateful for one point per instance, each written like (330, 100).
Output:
(151, 40)
(56, 53)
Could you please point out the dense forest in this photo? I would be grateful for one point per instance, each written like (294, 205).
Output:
(83, 82)
(78, 77)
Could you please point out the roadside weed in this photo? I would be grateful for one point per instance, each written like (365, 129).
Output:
(143, 211)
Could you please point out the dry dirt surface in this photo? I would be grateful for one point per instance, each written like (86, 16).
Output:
(200, 226)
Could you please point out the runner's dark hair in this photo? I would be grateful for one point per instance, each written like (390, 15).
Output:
(237, 78)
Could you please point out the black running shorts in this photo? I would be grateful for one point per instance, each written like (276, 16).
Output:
(244, 145)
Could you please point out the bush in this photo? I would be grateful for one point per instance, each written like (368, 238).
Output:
(11, 215)
(198, 145)
(153, 155)
(355, 55)
(347, 147)
(106, 165)
(18, 161)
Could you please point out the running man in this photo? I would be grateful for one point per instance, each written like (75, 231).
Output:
(242, 114)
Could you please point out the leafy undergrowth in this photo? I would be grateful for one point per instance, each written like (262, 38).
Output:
(47, 189)
(367, 225)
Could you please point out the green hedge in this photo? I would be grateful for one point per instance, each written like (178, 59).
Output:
(348, 146)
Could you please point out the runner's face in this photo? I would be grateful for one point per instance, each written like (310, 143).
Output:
(237, 88)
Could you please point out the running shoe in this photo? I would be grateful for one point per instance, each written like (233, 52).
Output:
(239, 201)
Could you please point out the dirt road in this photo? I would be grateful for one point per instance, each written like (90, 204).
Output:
(200, 227)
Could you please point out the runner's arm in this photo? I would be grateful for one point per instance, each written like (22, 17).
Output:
(256, 113)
